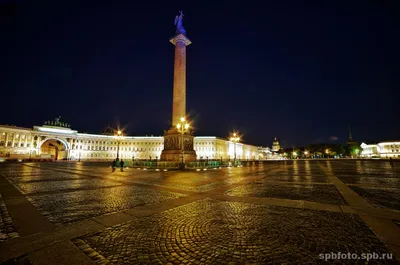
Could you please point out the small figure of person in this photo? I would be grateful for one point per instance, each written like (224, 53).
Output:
(114, 165)
(122, 165)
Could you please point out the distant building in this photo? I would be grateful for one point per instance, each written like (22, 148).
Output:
(264, 153)
(56, 140)
(275, 145)
(386, 149)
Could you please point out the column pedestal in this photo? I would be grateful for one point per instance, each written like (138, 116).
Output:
(173, 146)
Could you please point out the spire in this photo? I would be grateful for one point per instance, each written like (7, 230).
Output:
(350, 136)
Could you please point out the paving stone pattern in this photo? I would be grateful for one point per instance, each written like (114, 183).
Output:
(81, 184)
(215, 232)
(37, 176)
(372, 180)
(375, 181)
(7, 229)
(78, 205)
(380, 197)
(308, 192)
(297, 178)
(209, 231)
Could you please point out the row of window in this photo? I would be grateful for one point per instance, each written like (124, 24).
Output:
(83, 155)
(110, 148)
(9, 144)
(114, 142)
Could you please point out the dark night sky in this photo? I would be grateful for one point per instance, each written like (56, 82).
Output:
(298, 71)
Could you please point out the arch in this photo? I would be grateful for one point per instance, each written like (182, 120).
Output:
(63, 141)
(54, 148)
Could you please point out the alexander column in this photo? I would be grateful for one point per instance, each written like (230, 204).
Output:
(178, 143)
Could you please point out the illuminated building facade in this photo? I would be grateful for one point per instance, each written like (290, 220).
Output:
(386, 149)
(275, 145)
(59, 142)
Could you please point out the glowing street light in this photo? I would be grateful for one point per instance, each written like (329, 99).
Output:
(183, 127)
(119, 136)
(235, 138)
(356, 151)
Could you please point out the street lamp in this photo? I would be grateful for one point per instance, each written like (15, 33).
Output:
(183, 127)
(119, 134)
(235, 138)
(357, 151)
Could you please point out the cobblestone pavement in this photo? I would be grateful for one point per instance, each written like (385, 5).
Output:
(79, 205)
(285, 212)
(381, 197)
(317, 193)
(215, 232)
(7, 229)
(375, 181)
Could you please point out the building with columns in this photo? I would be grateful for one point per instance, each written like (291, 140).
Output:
(55, 140)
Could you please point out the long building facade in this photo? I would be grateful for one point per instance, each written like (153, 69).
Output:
(386, 149)
(58, 142)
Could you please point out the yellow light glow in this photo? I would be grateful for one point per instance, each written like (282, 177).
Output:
(119, 132)
(294, 153)
(305, 152)
(178, 126)
(182, 119)
(186, 126)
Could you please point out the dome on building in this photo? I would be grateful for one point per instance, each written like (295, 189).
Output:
(275, 145)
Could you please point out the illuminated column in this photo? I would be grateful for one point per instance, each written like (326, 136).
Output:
(179, 95)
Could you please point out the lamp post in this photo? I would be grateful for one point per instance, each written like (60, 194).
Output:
(119, 134)
(183, 127)
(235, 138)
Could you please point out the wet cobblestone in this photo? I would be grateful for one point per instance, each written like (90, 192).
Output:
(317, 193)
(380, 197)
(373, 180)
(42, 175)
(46, 186)
(7, 229)
(78, 205)
(297, 178)
(233, 233)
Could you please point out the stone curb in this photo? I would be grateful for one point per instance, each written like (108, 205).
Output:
(90, 252)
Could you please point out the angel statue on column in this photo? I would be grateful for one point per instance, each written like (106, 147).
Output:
(178, 23)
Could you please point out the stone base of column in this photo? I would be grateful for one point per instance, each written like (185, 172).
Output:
(173, 146)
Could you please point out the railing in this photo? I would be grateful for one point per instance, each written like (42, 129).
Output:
(188, 165)
(156, 164)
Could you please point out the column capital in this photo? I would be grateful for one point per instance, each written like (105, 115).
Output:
(180, 37)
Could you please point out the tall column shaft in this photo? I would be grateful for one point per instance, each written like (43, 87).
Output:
(179, 97)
